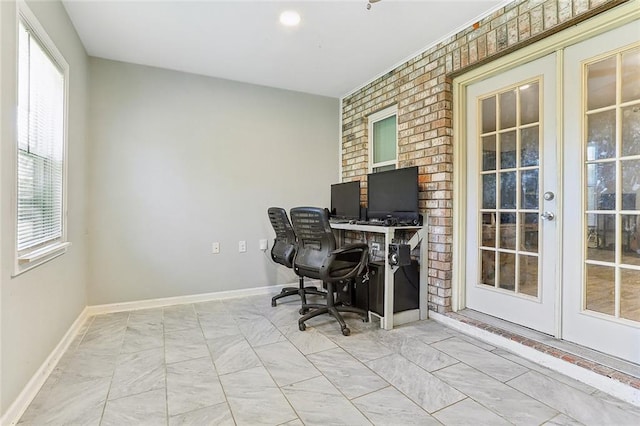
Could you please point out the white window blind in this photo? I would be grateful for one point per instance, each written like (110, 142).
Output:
(40, 145)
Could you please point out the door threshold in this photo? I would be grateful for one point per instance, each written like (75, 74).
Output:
(569, 348)
(612, 375)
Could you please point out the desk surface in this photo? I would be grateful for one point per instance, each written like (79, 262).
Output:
(371, 228)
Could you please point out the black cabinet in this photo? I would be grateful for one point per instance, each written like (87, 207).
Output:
(370, 294)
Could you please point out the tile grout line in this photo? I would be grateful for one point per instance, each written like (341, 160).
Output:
(274, 380)
(215, 369)
(106, 399)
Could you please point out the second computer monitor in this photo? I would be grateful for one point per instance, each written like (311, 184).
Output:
(345, 200)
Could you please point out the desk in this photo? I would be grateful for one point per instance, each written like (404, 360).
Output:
(389, 318)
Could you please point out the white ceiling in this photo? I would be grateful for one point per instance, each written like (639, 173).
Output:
(338, 47)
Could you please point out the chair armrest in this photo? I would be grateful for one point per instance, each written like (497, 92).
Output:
(360, 249)
(349, 248)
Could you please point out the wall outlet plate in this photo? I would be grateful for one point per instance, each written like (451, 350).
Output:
(215, 248)
(375, 246)
(242, 246)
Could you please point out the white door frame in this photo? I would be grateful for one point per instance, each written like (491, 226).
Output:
(606, 21)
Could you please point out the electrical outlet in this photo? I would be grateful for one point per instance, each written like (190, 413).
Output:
(242, 246)
(215, 248)
(375, 246)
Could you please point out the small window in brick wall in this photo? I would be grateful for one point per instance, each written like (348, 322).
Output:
(383, 140)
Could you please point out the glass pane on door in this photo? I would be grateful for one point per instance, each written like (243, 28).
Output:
(631, 75)
(611, 284)
(510, 189)
(630, 289)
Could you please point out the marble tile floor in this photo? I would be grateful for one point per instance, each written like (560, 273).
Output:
(241, 361)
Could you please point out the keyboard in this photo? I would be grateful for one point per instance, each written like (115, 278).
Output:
(339, 221)
(371, 222)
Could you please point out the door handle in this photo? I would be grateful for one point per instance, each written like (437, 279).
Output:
(548, 216)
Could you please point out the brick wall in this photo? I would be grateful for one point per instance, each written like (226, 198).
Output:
(421, 88)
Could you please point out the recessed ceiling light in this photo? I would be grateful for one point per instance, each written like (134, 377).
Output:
(290, 18)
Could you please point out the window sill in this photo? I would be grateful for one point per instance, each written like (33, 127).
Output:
(37, 257)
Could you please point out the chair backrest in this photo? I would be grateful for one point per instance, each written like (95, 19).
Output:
(315, 240)
(284, 245)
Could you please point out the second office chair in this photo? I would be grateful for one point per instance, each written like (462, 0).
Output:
(283, 252)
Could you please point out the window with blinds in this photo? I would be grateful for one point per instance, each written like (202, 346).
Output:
(383, 140)
(40, 150)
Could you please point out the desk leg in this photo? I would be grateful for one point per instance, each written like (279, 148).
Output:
(387, 321)
(423, 297)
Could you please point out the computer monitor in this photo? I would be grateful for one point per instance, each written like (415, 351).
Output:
(393, 194)
(345, 200)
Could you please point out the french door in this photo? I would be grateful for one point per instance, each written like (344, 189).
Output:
(601, 292)
(553, 193)
(512, 240)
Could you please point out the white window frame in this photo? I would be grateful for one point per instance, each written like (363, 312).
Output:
(31, 257)
(374, 118)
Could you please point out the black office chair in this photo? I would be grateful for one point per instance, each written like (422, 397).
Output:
(317, 257)
(283, 252)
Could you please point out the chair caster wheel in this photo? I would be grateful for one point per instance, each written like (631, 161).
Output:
(346, 331)
(365, 319)
(303, 311)
(302, 326)
(273, 303)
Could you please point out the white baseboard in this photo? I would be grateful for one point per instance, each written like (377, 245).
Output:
(598, 381)
(181, 300)
(18, 407)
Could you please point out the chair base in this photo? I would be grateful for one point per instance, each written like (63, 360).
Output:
(332, 309)
(302, 291)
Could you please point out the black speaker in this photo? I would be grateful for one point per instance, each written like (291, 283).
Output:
(399, 254)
